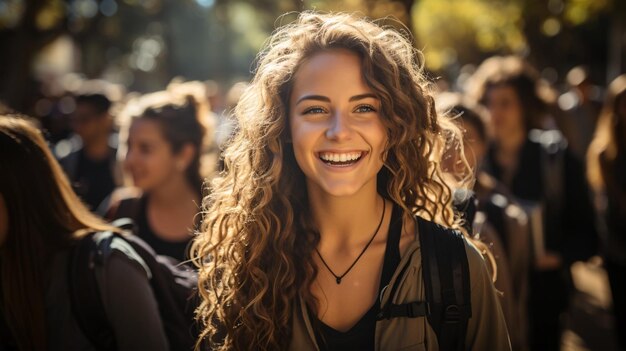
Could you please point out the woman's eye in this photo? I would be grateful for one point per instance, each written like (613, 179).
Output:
(313, 110)
(365, 109)
(145, 149)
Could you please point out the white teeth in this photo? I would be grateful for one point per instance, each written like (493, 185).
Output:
(344, 157)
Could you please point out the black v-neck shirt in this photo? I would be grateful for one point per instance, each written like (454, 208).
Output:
(362, 335)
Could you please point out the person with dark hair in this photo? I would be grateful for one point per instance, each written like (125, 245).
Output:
(534, 163)
(41, 222)
(164, 137)
(606, 171)
(90, 161)
(311, 236)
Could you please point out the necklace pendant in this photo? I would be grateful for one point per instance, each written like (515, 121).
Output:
(338, 280)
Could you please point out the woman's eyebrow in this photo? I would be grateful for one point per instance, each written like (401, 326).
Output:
(313, 97)
(326, 99)
(363, 96)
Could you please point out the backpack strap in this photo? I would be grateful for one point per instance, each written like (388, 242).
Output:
(446, 278)
(447, 283)
(85, 297)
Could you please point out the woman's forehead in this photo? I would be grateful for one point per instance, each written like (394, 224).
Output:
(336, 71)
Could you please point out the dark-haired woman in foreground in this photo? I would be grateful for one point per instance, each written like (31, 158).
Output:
(41, 220)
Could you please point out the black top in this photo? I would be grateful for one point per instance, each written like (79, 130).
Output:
(361, 335)
(175, 249)
(93, 180)
(569, 230)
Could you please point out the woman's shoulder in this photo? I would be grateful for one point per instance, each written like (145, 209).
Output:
(124, 203)
(475, 257)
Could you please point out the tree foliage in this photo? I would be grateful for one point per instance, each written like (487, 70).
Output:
(145, 43)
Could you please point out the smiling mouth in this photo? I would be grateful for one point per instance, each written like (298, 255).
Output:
(345, 159)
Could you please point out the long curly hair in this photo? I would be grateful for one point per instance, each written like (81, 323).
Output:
(256, 242)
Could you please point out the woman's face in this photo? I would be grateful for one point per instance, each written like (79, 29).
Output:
(336, 129)
(150, 160)
(475, 146)
(505, 107)
(4, 221)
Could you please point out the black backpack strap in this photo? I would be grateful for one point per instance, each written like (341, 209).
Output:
(86, 300)
(446, 278)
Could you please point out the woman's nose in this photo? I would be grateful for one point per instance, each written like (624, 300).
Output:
(339, 127)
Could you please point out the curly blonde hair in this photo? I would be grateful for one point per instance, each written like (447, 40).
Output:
(257, 226)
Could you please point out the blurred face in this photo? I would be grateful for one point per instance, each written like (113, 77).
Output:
(506, 111)
(88, 123)
(475, 147)
(4, 221)
(336, 129)
(150, 160)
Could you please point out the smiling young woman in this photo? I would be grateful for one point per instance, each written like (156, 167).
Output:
(336, 152)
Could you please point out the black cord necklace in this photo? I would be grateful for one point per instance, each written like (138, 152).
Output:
(339, 277)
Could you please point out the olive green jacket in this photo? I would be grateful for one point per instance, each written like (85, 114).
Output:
(486, 328)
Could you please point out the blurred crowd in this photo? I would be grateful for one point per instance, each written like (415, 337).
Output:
(550, 164)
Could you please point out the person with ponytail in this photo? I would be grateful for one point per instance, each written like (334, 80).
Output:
(165, 137)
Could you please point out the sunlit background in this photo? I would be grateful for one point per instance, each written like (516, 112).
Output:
(143, 44)
(51, 48)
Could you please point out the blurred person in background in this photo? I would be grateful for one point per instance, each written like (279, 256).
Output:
(41, 222)
(90, 160)
(581, 109)
(545, 178)
(498, 222)
(606, 170)
(165, 137)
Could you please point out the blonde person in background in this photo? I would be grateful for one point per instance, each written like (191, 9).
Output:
(310, 232)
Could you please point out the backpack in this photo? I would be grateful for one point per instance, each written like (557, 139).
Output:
(447, 283)
(174, 288)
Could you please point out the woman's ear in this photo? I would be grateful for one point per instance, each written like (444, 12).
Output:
(185, 156)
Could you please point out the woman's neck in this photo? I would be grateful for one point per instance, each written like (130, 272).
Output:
(512, 143)
(346, 220)
(174, 192)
